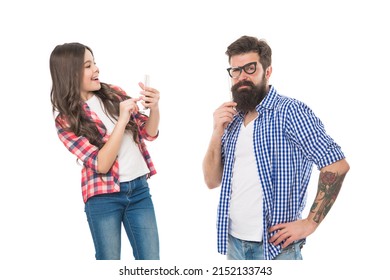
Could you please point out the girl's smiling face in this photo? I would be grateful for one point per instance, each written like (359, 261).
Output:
(90, 81)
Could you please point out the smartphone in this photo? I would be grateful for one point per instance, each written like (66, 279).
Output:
(147, 80)
(147, 84)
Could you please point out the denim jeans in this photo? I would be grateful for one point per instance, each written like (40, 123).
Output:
(132, 207)
(249, 250)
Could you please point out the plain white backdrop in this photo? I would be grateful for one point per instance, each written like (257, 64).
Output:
(332, 55)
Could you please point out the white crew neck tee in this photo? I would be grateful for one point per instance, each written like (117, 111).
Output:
(131, 162)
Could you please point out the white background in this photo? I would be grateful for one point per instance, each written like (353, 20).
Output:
(332, 55)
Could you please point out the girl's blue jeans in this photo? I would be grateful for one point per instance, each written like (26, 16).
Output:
(132, 207)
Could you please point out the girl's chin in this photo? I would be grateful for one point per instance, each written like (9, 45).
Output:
(96, 86)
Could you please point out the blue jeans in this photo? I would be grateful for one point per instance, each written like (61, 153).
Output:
(133, 207)
(250, 250)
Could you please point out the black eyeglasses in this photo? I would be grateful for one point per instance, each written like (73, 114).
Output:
(248, 68)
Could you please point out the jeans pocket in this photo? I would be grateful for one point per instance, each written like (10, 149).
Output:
(292, 251)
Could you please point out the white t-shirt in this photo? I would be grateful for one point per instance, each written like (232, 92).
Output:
(246, 208)
(131, 162)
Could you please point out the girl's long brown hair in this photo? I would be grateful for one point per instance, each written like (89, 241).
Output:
(66, 68)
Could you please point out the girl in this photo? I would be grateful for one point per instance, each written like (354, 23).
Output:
(103, 127)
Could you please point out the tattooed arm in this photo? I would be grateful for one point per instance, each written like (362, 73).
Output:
(329, 184)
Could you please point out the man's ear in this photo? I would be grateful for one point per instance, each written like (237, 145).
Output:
(268, 72)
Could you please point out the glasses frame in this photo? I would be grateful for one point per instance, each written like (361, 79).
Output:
(242, 68)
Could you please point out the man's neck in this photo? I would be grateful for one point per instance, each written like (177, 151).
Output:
(250, 116)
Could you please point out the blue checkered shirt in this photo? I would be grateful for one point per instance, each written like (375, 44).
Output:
(288, 139)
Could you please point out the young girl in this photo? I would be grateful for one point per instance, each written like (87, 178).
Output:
(103, 127)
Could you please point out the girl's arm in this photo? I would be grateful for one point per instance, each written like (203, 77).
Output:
(109, 152)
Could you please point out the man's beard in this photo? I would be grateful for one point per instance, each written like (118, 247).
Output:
(249, 97)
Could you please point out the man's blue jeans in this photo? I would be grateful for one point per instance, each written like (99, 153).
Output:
(133, 207)
(248, 250)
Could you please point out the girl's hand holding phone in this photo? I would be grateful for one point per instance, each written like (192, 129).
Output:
(149, 96)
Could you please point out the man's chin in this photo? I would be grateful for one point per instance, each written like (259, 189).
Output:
(245, 109)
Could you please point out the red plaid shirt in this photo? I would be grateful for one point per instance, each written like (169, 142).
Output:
(92, 182)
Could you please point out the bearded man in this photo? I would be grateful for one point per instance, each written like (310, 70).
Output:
(261, 153)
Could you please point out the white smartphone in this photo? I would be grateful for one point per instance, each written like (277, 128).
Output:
(147, 84)
(147, 80)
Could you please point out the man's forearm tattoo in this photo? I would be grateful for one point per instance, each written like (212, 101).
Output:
(329, 186)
